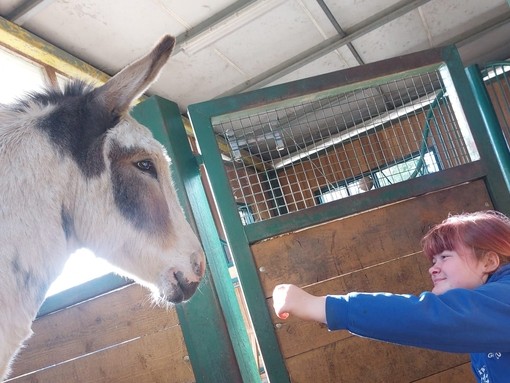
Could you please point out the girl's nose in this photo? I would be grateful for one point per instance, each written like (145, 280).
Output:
(434, 269)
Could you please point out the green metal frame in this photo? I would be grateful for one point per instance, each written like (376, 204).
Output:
(239, 248)
(492, 167)
(486, 132)
(212, 324)
(83, 292)
(490, 131)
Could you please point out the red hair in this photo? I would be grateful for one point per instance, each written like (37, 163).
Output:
(482, 232)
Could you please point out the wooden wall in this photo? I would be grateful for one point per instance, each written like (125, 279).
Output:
(377, 250)
(117, 337)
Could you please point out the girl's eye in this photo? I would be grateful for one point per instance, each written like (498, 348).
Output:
(147, 166)
(439, 257)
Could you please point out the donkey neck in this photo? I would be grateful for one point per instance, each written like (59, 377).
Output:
(34, 183)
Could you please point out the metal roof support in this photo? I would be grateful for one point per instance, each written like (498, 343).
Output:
(210, 23)
(339, 29)
(310, 55)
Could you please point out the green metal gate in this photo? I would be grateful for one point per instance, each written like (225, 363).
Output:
(211, 322)
(249, 141)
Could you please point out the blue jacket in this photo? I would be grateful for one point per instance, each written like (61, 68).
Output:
(460, 320)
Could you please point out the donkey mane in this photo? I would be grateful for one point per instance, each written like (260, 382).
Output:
(53, 95)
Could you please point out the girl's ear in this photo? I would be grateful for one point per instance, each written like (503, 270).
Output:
(491, 261)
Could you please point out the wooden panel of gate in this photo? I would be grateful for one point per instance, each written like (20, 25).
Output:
(120, 336)
(373, 251)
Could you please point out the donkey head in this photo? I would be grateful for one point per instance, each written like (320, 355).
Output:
(125, 207)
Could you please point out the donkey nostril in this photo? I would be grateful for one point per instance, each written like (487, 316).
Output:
(198, 268)
(197, 264)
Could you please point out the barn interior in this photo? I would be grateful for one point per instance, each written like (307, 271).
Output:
(327, 137)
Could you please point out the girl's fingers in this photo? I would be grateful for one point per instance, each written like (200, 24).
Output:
(279, 297)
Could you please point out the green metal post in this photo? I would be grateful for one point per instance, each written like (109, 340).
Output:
(499, 148)
(485, 128)
(239, 246)
(491, 122)
(211, 321)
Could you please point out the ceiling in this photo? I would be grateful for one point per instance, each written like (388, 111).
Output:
(225, 47)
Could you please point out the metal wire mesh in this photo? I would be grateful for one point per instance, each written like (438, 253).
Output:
(293, 157)
(497, 82)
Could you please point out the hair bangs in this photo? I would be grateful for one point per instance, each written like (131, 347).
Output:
(440, 238)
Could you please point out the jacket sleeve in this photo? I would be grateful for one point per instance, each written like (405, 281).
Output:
(460, 320)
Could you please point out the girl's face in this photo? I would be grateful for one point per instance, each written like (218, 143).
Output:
(457, 269)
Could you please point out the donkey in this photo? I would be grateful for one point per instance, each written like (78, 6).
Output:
(78, 171)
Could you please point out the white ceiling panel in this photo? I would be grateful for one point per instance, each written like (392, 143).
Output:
(349, 13)
(492, 46)
(336, 60)
(230, 46)
(272, 38)
(445, 20)
(195, 79)
(106, 34)
(190, 16)
(404, 35)
(7, 6)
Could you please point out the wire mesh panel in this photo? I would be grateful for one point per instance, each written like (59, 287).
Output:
(310, 152)
(497, 81)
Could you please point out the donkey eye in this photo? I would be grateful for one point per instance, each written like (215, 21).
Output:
(147, 166)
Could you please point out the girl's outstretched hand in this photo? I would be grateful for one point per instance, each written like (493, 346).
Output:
(292, 300)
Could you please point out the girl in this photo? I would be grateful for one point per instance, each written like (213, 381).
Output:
(468, 310)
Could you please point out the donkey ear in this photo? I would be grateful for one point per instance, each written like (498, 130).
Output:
(118, 93)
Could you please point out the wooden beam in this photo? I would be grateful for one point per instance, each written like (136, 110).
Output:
(20, 40)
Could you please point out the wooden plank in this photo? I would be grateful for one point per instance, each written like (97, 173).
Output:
(366, 239)
(459, 374)
(107, 320)
(358, 359)
(159, 357)
(403, 275)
